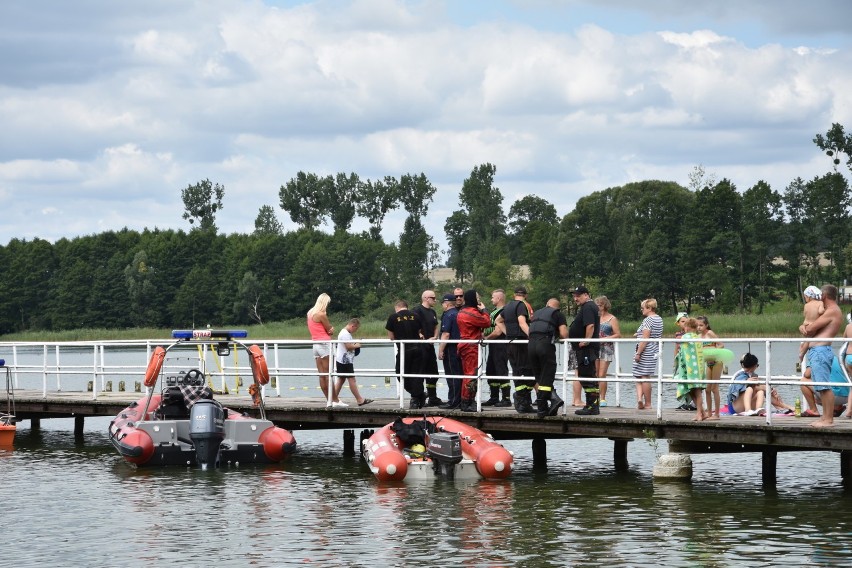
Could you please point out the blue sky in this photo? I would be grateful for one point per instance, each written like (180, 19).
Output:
(111, 108)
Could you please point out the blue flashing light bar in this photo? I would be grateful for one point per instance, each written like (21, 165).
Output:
(2, 362)
(209, 334)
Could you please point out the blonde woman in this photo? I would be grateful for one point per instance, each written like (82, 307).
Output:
(610, 329)
(321, 330)
(647, 352)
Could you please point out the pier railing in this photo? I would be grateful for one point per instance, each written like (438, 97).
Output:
(47, 364)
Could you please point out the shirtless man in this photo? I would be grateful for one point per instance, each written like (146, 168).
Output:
(820, 353)
(812, 310)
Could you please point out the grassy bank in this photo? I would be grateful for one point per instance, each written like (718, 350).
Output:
(775, 324)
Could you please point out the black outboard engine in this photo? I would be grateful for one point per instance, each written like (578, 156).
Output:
(207, 430)
(445, 450)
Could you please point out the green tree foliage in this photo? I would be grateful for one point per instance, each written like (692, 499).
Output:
(266, 222)
(836, 143)
(305, 198)
(762, 223)
(375, 200)
(201, 202)
(341, 204)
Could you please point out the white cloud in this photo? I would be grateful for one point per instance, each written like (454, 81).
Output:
(154, 98)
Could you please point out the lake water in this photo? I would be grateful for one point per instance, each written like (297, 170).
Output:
(74, 502)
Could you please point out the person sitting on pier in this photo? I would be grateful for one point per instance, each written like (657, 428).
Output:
(746, 395)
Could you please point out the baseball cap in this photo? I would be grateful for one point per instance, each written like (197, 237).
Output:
(681, 315)
(449, 298)
(520, 290)
(580, 290)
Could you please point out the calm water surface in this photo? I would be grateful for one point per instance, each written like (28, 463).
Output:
(76, 503)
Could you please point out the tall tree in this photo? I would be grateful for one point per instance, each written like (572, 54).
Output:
(761, 231)
(266, 223)
(836, 143)
(375, 200)
(342, 205)
(486, 232)
(201, 202)
(305, 198)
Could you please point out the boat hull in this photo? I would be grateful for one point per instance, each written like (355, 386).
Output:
(7, 435)
(145, 441)
(389, 457)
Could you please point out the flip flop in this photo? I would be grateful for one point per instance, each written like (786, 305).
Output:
(810, 413)
(366, 401)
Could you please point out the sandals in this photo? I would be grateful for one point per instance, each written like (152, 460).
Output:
(366, 401)
(810, 414)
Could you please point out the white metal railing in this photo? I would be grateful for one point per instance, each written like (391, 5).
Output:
(54, 356)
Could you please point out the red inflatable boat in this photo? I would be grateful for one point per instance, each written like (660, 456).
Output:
(181, 424)
(430, 447)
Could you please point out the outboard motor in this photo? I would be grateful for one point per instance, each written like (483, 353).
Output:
(445, 450)
(207, 430)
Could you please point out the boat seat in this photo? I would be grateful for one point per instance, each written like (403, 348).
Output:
(172, 405)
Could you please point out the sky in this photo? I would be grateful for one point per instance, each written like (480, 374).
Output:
(109, 109)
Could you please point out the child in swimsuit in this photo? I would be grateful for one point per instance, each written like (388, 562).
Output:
(812, 310)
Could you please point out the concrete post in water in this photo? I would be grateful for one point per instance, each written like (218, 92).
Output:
(768, 465)
(78, 426)
(120, 386)
(846, 467)
(620, 454)
(673, 467)
(108, 386)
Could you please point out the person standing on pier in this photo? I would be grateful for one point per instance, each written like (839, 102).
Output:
(645, 359)
(820, 354)
(611, 329)
(429, 319)
(516, 317)
(321, 330)
(347, 348)
(448, 352)
(713, 370)
(497, 363)
(405, 324)
(586, 325)
(546, 324)
(472, 319)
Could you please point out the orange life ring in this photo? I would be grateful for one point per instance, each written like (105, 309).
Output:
(259, 369)
(155, 365)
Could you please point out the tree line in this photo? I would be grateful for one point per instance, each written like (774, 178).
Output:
(707, 244)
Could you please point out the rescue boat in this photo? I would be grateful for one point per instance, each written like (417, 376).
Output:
(181, 423)
(414, 448)
(7, 417)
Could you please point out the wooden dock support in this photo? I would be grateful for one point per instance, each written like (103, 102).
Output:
(78, 426)
(365, 435)
(619, 454)
(539, 453)
(768, 465)
(846, 466)
(35, 424)
(349, 442)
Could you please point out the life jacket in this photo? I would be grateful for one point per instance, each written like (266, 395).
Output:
(510, 316)
(542, 323)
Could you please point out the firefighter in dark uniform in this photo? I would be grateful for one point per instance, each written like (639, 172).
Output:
(547, 324)
(429, 319)
(405, 324)
(497, 363)
(516, 316)
(586, 325)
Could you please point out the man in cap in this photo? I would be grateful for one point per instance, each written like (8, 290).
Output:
(586, 325)
(448, 352)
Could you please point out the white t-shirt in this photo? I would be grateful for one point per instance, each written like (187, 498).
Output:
(344, 356)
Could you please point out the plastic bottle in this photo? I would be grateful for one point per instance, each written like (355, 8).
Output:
(798, 407)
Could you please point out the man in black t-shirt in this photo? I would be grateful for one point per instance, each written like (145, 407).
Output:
(405, 324)
(586, 325)
(429, 364)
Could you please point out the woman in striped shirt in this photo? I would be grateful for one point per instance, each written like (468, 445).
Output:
(647, 352)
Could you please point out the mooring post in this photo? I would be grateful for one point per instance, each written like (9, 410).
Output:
(846, 466)
(539, 453)
(768, 463)
(348, 442)
(620, 455)
(78, 426)
(35, 424)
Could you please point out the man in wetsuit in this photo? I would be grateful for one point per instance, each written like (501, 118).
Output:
(472, 319)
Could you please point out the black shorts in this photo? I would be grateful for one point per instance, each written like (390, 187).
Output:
(345, 370)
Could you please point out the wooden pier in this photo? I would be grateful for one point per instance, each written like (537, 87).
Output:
(620, 425)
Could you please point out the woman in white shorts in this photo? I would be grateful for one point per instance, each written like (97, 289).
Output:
(321, 330)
